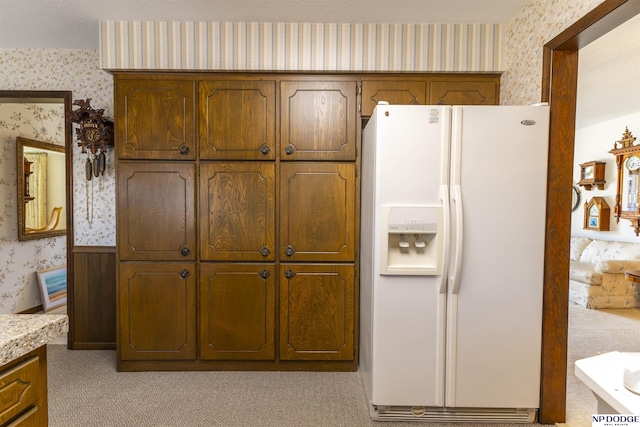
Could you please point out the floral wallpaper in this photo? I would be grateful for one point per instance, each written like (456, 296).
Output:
(94, 201)
(94, 210)
(537, 23)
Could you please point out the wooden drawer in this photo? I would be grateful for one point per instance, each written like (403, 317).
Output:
(19, 388)
(31, 418)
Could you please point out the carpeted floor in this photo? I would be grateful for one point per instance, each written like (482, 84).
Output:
(592, 332)
(85, 389)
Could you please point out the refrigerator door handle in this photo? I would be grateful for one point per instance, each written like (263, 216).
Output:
(446, 236)
(454, 277)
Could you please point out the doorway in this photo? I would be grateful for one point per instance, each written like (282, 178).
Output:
(559, 85)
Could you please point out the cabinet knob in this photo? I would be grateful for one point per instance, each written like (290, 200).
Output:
(264, 251)
(185, 251)
(289, 251)
(289, 149)
(184, 273)
(264, 149)
(289, 274)
(265, 274)
(184, 150)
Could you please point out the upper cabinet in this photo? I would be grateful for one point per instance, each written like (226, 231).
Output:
(430, 89)
(318, 120)
(237, 119)
(464, 92)
(155, 118)
(395, 92)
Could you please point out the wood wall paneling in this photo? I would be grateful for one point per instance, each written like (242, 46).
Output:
(94, 308)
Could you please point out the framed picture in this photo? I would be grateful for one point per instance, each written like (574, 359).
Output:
(52, 284)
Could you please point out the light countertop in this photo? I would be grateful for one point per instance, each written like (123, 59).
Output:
(22, 333)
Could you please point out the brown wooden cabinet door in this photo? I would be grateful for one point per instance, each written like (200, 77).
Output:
(317, 312)
(318, 120)
(237, 311)
(452, 92)
(157, 311)
(395, 92)
(237, 119)
(156, 213)
(155, 119)
(237, 211)
(317, 212)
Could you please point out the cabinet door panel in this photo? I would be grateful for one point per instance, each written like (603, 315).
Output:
(155, 119)
(157, 311)
(317, 306)
(317, 212)
(394, 92)
(237, 211)
(463, 93)
(318, 120)
(156, 218)
(237, 312)
(237, 120)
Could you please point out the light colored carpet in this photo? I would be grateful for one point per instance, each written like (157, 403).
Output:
(593, 332)
(85, 389)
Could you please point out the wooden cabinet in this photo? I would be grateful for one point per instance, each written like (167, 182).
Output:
(238, 311)
(318, 120)
(238, 214)
(400, 92)
(317, 212)
(156, 118)
(157, 311)
(23, 388)
(464, 92)
(237, 211)
(317, 312)
(156, 211)
(430, 89)
(237, 119)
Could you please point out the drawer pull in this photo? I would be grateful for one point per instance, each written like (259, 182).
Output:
(185, 251)
(184, 150)
(265, 274)
(289, 274)
(289, 149)
(264, 149)
(264, 251)
(184, 273)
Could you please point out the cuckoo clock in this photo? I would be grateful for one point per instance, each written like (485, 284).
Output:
(94, 134)
(628, 163)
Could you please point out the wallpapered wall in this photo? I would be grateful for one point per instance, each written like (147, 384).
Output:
(49, 69)
(79, 71)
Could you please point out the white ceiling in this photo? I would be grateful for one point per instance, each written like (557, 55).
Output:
(608, 76)
(73, 24)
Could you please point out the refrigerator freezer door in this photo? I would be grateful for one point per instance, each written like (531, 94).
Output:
(405, 155)
(494, 319)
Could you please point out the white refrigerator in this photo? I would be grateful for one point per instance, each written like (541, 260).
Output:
(452, 245)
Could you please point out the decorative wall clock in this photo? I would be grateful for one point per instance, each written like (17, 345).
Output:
(597, 214)
(95, 133)
(592, 175)
(627, 195)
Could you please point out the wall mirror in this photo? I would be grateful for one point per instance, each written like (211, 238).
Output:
(41, 189)
(31, 108)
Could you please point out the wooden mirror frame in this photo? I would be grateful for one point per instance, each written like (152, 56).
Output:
(23, 232)
(559, 88)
